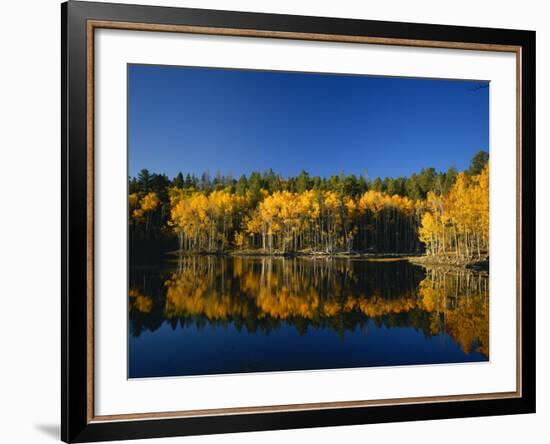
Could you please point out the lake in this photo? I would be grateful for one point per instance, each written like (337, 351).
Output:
(201, 315)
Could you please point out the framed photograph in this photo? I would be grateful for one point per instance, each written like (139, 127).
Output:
(276, 221)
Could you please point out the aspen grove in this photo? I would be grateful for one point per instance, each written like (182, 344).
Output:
(439, 213)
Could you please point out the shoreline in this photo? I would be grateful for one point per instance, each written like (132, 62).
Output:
(450, 261)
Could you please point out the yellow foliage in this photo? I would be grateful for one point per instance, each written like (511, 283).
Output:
(133, 200)
(141, 208)
(329, 221)
(150, 202)
(458, 222)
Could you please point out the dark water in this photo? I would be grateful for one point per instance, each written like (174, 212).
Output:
(212, 315)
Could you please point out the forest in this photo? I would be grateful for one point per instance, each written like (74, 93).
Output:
(441, 214)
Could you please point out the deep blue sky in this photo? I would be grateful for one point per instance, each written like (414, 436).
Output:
(237, 121)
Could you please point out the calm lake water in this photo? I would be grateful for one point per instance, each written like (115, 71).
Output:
(213, 315)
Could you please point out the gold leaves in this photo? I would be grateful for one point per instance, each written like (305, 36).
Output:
(459, 221)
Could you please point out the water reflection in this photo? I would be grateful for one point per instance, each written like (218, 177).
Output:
(261, 298)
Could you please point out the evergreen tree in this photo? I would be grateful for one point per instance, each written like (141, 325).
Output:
(478, 162)
(178, 181)
(144, 181)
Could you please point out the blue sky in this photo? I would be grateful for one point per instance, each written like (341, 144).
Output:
(237, 121)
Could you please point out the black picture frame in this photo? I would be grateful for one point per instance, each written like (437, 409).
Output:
(76, 424)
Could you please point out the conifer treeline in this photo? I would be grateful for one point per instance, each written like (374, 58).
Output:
(344, 213)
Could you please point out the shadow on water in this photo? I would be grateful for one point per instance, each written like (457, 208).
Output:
(208, 314)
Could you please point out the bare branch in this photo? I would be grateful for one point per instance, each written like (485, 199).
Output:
(479, 86)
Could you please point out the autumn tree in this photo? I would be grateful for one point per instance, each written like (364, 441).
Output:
(142, 208)
(446, 212)
(458, 221)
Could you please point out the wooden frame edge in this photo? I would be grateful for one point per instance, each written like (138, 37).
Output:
(519, 219)
(335, 38)
(205, 30)
(284, 408)
(90, 205)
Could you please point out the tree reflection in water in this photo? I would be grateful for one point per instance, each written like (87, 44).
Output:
(259, 295)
